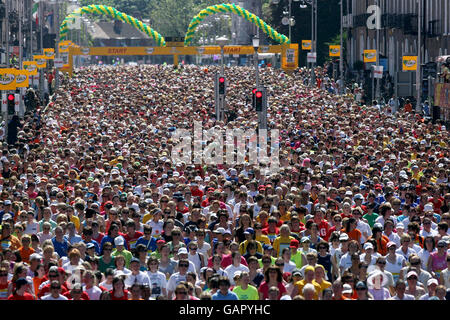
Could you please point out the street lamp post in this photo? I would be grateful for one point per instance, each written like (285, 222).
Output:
(255, 41)
(313, 5)
(341, 58)
(222, 41)
(291, 21)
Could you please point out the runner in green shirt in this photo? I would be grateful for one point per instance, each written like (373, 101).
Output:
(246, 291)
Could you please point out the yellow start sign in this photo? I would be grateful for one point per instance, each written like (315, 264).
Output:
(306, 44)
(335, 51)
(370, 55)
(409, 63)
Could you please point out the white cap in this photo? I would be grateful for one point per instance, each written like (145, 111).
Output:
(368, 245)
(347, 288)
(343, 237)
(428, 207)
(119, 241)
(432, 281)
(182, 251)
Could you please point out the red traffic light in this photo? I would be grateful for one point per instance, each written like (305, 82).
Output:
(258, 94)
(254, 91)
(10, 97)
(221, 79)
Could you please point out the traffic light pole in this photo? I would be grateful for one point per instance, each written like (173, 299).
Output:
(41, 41)
(262, 115)
(57, 49)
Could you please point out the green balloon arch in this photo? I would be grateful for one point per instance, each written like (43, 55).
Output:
(232, 8)
(114, 13)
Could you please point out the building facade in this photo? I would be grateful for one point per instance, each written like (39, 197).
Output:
(398, 33)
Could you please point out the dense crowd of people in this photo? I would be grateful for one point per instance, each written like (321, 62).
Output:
(93, 207)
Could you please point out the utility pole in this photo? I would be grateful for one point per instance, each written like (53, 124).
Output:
(313, 42)
(419, 55)
(57, 47)
(7, 8)
(41, 41)
(377, 93)
(341, 58)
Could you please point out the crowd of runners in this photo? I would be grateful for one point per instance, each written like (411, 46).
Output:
(93, 207)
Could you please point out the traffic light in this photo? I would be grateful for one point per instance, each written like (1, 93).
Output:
(11, 104)
(221, 85)
(425, 88)
(258, 100)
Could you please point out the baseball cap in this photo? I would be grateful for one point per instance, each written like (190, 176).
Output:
(7, 202)
(134, 259)
(428, 207)
(390, 244)
(119, 241)
(35, 256)
(411, 273)
(249, 231)
(442, 243)
(7, 217)
(347, 288)
(361, 285)
(368, 245)
(296, 272)
(343, 237)
(305, 239)
(182, 251)
(220, 230)
(161, 241)
(358, 196)
(432, 281)
(294, 243)
(309, 268)
(90, 245)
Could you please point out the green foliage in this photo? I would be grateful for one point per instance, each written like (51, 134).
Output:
(168, 17)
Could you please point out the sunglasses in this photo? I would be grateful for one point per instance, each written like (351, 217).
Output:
(77, 292)
(183, 265)
(192, 248)
(52, 275)
(180, 292)
(165, 201)
(55, 287)
(3, 274)
(412, 278)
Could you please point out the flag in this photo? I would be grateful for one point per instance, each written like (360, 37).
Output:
(36, 12)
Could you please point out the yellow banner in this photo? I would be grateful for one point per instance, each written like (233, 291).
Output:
(64, 46)
(31, 67)
(22, 79)
(289, 59)
(370, 55)
(335, 51)
(41, 61)
(8, 79)
(49, 53)
(306, 44)
(409, 63)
